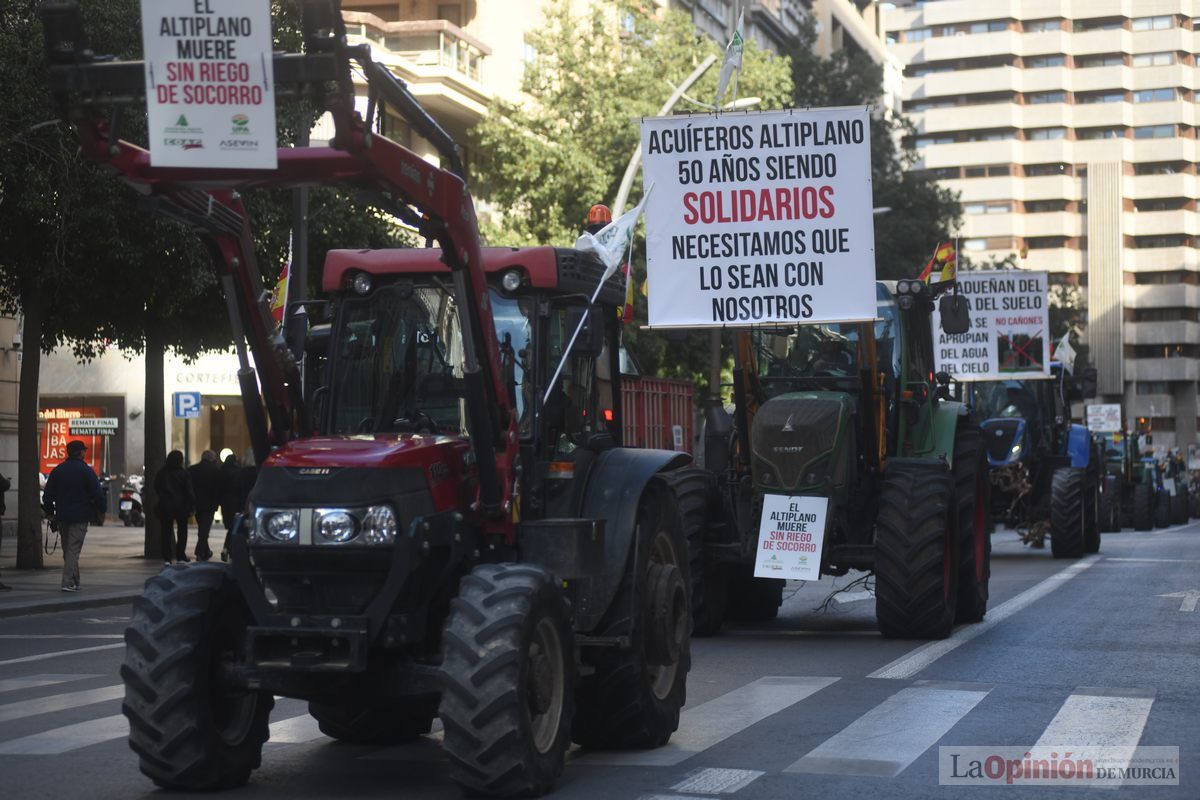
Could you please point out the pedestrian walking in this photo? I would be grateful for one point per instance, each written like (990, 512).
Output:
(71, 497)
(229, 498)
(5, 485)
(175, 502)
(206, 486)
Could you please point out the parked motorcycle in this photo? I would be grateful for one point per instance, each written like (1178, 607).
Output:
(131, 501)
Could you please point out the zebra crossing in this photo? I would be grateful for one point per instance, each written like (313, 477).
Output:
(883, 739)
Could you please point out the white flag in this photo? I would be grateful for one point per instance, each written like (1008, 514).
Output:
(1064, 354)
(732, 62)
(612, 241)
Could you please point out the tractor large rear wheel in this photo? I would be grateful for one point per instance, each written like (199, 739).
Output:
(1143, 507)
(508, 667)
(1179, 506)
(1068, 512)
(971, 493)
(190, 727)
(916, 553)
(633, 697)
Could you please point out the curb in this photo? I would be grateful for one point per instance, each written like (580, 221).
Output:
(71, 604)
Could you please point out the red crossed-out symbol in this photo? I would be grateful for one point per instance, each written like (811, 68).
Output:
(1018, 350)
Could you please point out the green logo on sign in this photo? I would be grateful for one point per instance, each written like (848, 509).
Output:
(182, 121)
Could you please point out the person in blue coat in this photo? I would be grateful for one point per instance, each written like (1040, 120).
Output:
(71, 497)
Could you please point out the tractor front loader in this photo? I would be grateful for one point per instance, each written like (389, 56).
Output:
(445, 523)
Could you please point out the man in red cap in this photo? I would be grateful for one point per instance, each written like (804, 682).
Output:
(71, 496)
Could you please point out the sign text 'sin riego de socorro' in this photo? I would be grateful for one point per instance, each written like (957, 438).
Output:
(1009, 336)
(759, 218)
(209, 83)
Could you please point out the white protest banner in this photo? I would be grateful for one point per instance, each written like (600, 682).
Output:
(210, 84)
(1009, 327)
(759, 218)
(791, 536)
(1104, 418)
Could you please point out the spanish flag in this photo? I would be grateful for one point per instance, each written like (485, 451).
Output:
(944, 261)
(627, 311)
(279, 303)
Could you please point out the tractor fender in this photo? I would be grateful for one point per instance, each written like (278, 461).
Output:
(1079, 446)
(946, 416)
(614, 486)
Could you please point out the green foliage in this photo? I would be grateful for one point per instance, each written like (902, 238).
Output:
(549, 159)
(922, 212)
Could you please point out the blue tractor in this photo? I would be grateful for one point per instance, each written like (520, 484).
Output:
(1046, 472)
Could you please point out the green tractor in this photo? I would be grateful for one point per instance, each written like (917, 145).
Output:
(856, 414)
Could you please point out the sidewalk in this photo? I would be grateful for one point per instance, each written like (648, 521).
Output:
(111, 572)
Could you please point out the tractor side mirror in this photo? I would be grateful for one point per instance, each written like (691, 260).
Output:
(943, 378)
(955, 311)
(590, 342)
(1087, 383)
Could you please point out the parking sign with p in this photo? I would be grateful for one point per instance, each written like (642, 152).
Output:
(187, 405)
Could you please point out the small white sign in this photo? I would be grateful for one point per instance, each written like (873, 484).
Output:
(210, 84)
(1010, 322)
(759, 218)
(677, 436)
(1104, 418)
(92, 426)
(791, 536)
(1169, 486)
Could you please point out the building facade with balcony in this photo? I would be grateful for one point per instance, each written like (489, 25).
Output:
(1069, 127)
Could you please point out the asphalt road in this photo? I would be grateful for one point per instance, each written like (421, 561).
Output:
(815, 704)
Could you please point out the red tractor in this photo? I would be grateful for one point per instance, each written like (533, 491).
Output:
(439, 528)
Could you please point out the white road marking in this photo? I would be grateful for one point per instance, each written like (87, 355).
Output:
(62, 636)
(59, 702)
(720, 718)
(1110, 718)
(68, 738)
(1190, 598)
(916, 660)
(296, 730)
(45, 656)
(717, 780)
(1159, 560)
(34, 681)
(889, 737)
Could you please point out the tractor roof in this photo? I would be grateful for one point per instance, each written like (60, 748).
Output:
(557, 268)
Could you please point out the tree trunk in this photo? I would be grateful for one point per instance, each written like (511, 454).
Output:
(156, 442)
(29, 499)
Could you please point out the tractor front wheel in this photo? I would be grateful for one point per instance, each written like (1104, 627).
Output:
(190, 727)
(971, 492)
(1110, 517)
(1162, 509)
(753, 599)
(1179, 506)
(916, 553)
(1143, 507)
(508, 668)
(1068, 512)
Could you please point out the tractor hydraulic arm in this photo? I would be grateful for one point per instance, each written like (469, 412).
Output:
(92, 93)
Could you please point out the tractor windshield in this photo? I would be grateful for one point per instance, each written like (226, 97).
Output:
(1005, 399)
(813, 356)
(396, 363)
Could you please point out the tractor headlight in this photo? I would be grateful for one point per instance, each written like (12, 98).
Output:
(276, 524)
(335, 525)
(379, 525)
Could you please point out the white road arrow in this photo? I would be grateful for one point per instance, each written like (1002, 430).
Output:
(1190, 599)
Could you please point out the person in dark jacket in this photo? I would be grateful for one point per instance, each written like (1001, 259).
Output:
(229, 498)
(5, 485)
(206, 486)
(173, 488)
(72, 495)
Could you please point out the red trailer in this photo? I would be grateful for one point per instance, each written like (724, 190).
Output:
(657, 413)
